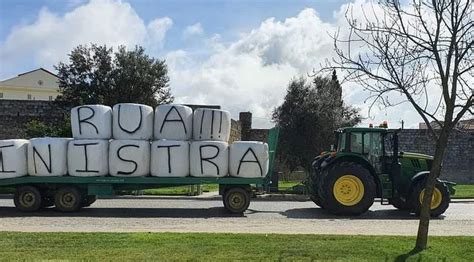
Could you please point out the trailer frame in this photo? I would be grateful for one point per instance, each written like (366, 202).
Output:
(46, 188)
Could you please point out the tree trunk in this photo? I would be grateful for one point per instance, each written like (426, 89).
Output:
(422, 237)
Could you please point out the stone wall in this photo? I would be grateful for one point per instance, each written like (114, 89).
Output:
(458, 163)
(235, 131)
(14, 114)
(258, 135)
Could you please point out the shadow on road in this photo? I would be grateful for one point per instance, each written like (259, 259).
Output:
(318, 213)
(212, 212)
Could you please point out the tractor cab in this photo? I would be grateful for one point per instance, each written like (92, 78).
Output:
(366, 163)
(378, 146)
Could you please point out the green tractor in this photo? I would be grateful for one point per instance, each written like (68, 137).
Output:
(366, 164)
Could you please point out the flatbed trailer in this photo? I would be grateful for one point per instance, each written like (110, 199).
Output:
(69, 193)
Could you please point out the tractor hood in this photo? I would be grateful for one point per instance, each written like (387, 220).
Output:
(415, 156)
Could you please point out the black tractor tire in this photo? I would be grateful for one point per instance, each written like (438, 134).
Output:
(68, 199)
(443, 205)
(236, 200)
(314, 188)
(363, 201)
(400, 204)
(27, 199)
(88, 200)
(317, 200)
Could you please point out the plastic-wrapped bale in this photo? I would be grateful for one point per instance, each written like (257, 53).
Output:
(88, 157)
(173, 122)
(13, 154)
(248, 159)
(47, 156)
(132, 121)
(170, 158)
(129, 158)
(209, 159)
(91, 122)
(211, 124)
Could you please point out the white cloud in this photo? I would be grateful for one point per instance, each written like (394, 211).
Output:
(252, 74)
(156, 32)
(51, 37)
(193, 30)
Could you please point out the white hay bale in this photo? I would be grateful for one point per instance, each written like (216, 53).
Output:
(13, 158)
(129, 158)
(170, 158)
(87, 158)
(248, 159)
(91, 122)
(211, 124)
(209, 159)
(132, 121)
(47, 156)
(173, 122)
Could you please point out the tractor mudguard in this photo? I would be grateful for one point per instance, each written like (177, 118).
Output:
(423, 174)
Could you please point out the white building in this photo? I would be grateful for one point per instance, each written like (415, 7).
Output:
(39, 84)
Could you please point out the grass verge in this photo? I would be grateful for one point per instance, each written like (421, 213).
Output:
(179, 190)
(464, 191)
(223, 247)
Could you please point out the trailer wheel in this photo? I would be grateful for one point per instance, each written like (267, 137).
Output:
(88, 200)
(236, 200)
(27, 199)
(68, 199)
(47, 202)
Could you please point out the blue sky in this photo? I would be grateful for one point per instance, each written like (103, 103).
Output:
(227, 18)
(240, 54)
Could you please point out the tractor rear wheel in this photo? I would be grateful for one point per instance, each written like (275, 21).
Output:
(348, 189)
(313, 187)
(439, 201)
(317, 201)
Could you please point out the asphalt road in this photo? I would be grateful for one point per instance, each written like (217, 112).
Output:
(164, 214)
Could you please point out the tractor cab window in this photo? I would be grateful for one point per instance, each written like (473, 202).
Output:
(372, 144)
(341, 141)
(368, 144)
(388, 144)
(357, 143)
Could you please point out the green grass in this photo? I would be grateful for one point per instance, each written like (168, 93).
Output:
(464, 191)
(225, 247)
(285, 185)
(179, 190)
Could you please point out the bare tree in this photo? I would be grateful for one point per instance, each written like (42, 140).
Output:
(422, 51)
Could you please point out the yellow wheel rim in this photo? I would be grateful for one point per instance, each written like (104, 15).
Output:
(435, 199)
(348, 190)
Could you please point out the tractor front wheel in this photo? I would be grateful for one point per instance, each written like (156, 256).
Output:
(348, 189)
(439, 201)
